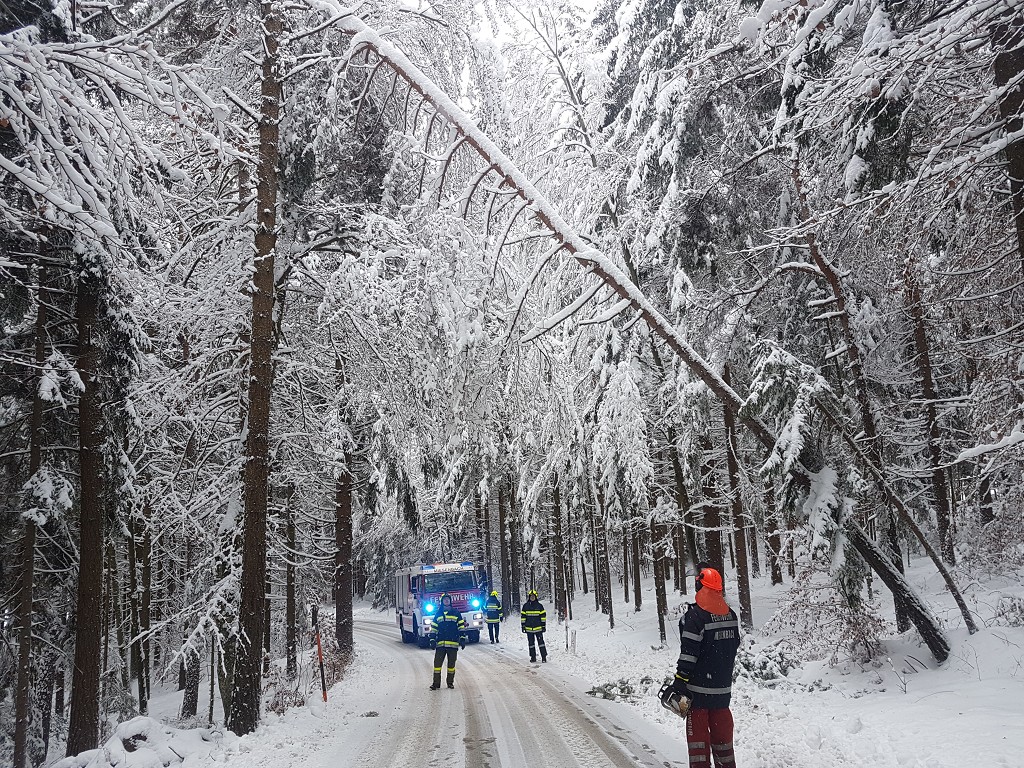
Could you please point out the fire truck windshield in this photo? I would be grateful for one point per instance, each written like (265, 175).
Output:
(456, 581)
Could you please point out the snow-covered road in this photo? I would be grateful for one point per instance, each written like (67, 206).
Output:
(504, 712)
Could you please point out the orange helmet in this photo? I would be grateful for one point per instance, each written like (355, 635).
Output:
(710, 579)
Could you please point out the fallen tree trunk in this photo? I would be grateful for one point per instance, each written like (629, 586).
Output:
(366, 40)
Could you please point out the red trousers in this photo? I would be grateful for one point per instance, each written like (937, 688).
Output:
(710, 731)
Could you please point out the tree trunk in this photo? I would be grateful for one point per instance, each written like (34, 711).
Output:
(291, 642)
(145, 607)
(1008, 38)
(985, 499)
(245, 697)
(23, 695)
(516, 550)
(714, 552)
(626, 553)
(940, 491)
(606, 575)
(894, 579)
(638, 596)
(561, 602)
(343, 560)
(739, 524)
(773, 541)
(488, 561)
(582, 251)
(856, 369)
(478, 517)
(134, 626)
(660, 563)
(190, 700)
(83, 729)
(505, 566)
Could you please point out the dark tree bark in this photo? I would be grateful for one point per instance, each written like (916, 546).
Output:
(488, 561)
(516, 550)
(659, 566)
(245, 698)
(291, 642)
(894, 579)
(83, 728)
(505, 568)
(343, 561)
(1008, 38)
(738, 521)
(134, 611)
(23, 695)
(626, 551)
(478, 517)
(634, 536)
(190, 700)
(561, 602)
(712, 523)
(773, 540)
(145, 557)
(940, 491)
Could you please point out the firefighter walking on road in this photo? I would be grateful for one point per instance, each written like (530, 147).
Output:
(534, 620)
(710, 636)
(451, 636)
(494, 617)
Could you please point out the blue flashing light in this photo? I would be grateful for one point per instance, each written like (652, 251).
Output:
(430, 608)
(465, 563)
(476, 603)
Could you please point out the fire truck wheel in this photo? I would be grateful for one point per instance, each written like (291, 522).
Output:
(474, 637)
(407, 637)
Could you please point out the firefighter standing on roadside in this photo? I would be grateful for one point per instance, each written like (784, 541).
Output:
(709, 637)
(534, 620)
(451, 636)
(494, 617)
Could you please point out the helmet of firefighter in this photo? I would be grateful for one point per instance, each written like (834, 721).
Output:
(532, 594)
(709, 578)
(494, 593)
(447, 597)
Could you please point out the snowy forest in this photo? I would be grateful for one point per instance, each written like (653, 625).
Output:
(295, 294)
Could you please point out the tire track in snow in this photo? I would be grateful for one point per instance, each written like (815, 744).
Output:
(415, 732)
(511, 716)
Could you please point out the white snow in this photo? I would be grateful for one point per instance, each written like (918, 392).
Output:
(899, 711)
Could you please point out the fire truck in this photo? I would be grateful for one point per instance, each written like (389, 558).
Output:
(418, 591)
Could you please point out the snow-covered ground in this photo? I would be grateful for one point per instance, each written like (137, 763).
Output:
(901, 711)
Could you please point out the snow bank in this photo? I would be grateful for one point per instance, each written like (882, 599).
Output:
(143, 742)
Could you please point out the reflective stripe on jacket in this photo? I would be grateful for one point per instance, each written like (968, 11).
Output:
(493, 608)
(534, 617)
(707, 653)
(451, 629)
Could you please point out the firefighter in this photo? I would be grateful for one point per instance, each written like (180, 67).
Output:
(709, 635)
(494, 617)
(451, 636)
(534, 619)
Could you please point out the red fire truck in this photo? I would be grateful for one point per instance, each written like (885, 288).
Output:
(418, 591)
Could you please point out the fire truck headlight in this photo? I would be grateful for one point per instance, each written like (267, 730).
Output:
(478, 615)
(476, 603)
(429, 607)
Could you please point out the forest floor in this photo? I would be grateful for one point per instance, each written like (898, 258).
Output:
(900, 710)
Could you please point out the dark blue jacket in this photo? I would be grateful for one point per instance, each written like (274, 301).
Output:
(708, 645)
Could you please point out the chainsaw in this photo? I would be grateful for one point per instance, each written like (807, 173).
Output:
(674, 702)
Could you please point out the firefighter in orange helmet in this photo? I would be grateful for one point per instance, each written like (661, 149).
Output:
(709, 638)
